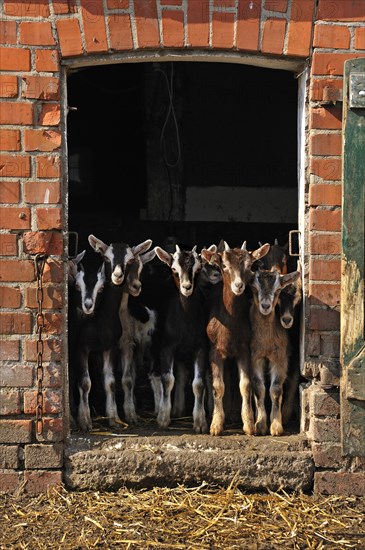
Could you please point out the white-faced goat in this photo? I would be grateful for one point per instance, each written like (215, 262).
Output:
(183, 342)
(269, 347)
(101, 335)
(228, 330)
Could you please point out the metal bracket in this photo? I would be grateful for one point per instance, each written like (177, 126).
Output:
(291, 233)
(357, 91)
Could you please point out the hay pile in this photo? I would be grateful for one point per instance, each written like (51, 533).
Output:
(181, 518)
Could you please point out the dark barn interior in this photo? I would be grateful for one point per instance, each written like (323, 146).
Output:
(197, 151)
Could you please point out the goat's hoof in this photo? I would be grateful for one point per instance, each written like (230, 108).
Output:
(276, 429)
(201, 429)
(248, 429)
(216, 430)
(163, 422)
(261, 428)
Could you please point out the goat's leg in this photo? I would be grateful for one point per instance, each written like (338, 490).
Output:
(217, 366)
(181, 377)
(156, 385)
(167, 380)
(278, 370)
(109, 385)
(258, 382)
(199, 418)
(128, 381)
(243, 365)
(289, 397)
(83, 413)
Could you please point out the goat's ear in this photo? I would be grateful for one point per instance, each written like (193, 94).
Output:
(97, 244)
(206, 254)
(79, 257)
(148, 256)
(212, 248)
(285, 280)
(260, 252)
(164, 256)
(142, 247)
(220, 246)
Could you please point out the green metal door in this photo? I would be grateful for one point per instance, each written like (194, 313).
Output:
(352, 262)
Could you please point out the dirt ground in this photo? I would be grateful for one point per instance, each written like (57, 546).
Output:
(202, 517)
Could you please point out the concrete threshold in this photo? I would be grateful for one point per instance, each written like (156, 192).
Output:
(107, 461)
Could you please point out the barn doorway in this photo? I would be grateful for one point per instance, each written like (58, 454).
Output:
(198, 151)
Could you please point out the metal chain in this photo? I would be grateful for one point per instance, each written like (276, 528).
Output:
(39, 261)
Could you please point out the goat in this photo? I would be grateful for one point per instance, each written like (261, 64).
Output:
(183, 341)
(228, 329)
(269, 342)
(102, 333)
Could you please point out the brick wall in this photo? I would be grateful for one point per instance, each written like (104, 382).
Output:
(34, 38)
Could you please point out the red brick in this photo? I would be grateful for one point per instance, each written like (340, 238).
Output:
(48, 167)
(248, 26)
(276, 5)
(325, 194)
(15, 431)
(52, 430)
(9, 192)
(312, 345)
(9, 351)
(327, 169)
(9, 140)
(325, 144)
(326, 430)
(15, 323)
(198, 24)
(52, 351)
(326, 118)
(41, 87)
(14, 218)
(47, 60)
(53, 271)
(53, 323)
(9, 402)
(36, 33)
(325, 270)
(340, 483)
(300, 27)
(325, 220)
(41, 481)
(42, 140)
(173, 28)
(324, 320)
(9, 481)
(49, 218)
(328, 455)
(61, 7)
(13, 166)
(324, 294)
(326, 403)
(329, 36)
(69, 36)
(330, 345)
(94, 26)
(145, 12)
(8, 244)
(8, 85)
(9, 457)
(43, 242)
(331, 63)
(50, 115)
(273, 36)
(117, 4)
(52, 298)
(7, 32)
(319, 85)
(35, 8)
(43, 456)
(222, 29)
(353, 10)
(14, 59)
(52, 401)
(120, 32)
(10, 297)
(322, 243)
(219, 4)
(17, 271)
(360, 38)
(40, 192)
(12, 112)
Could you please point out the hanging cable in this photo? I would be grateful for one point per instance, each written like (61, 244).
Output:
(170, 112)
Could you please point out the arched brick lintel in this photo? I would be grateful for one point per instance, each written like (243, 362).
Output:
(269, 28)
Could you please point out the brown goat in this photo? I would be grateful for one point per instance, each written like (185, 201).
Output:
(228, 330)
(269, 343)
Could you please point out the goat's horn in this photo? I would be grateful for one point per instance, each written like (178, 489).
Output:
(178, 248)
(276, 242)
(244, 246)
(260, 243)
(226, 247)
